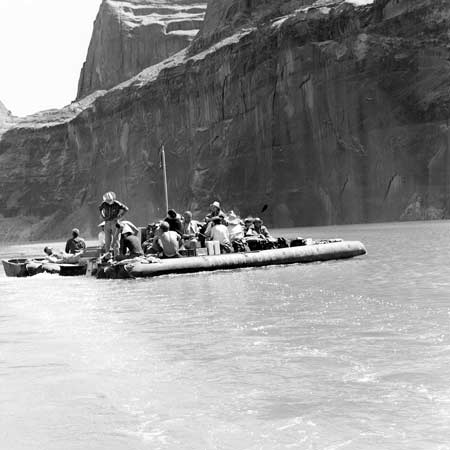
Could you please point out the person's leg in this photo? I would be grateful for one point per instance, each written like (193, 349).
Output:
(115, 238)
(108, 236)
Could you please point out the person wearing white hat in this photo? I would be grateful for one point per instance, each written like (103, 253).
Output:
(112, 211)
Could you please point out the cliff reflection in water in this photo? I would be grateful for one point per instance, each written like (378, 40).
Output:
(346, 354)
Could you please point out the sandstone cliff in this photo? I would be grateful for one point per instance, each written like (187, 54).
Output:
(132, 35)
(330, 114)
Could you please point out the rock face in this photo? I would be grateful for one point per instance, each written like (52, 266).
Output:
(132, 35)
(330, 114)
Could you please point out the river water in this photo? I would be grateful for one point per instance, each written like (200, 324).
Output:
(351, 354)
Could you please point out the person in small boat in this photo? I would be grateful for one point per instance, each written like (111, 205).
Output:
(219, 232)
(189, 231)
(75, 244)
(112, 211)
(168, 241)
(61, 257)
(174, 221)
(131, 243)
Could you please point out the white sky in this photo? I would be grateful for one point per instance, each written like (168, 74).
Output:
(43, 44)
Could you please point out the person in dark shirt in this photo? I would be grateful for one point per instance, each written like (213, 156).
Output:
(132, 244)
(75, 244)
(111, 211)
(174, 221)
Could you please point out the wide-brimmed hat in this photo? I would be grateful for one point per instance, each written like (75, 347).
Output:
(101, 224)
(249, 219)
(257, 219)
(216, 204)
(76, 231)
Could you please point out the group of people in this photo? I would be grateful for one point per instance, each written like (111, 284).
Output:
(178, 233)
(169, 238)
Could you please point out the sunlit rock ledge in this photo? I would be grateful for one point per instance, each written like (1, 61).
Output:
(131, 35)
(333, 116)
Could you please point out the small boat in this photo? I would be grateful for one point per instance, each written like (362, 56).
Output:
(322, 251)
(22, 267)
(15, 267)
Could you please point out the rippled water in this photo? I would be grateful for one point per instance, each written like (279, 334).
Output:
(351, 354)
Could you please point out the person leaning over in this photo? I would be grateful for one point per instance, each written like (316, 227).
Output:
(75, 244)
(111, 211)
(131, 244)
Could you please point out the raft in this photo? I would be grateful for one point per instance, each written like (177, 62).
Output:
(289, 255)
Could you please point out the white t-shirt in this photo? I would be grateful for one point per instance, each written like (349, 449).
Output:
(220, 233)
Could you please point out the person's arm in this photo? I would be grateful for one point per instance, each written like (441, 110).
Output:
(123, 210)
(67, 246)
(102, 210)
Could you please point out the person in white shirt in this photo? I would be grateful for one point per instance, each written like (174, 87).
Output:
(219, 232)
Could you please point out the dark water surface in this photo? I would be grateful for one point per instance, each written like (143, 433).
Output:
(351, 354)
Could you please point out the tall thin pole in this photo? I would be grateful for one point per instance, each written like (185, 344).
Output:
(163, 162)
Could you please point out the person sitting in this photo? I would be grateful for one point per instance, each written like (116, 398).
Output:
(260, 228)
(150, 239)
(174, 221)
(169, 241)
(75, 244)
(214, 211)
(236, 233)
(219, 232)
(249, 229)
(131, 244)
(61, 257)
(189, 231)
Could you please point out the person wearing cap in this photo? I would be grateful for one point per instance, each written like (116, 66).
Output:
(111, 211)
(260, 228)
(214, 211)
(75, 244)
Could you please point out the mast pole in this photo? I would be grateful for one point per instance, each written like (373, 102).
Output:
(163, 162)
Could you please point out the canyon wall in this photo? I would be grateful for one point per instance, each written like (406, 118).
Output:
(329, 114)
(131, 35)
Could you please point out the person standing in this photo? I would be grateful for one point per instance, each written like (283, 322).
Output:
(75, 244)
(112, 211)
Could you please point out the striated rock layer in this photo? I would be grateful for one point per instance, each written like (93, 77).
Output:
(132, 35)
(331, 114)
